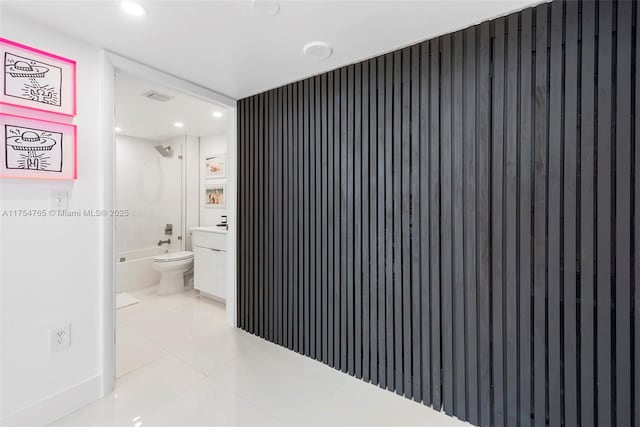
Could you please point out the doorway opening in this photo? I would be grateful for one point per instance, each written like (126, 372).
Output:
(174, 175)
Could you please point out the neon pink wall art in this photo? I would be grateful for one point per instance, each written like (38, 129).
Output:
(39, 149)
(37, 80)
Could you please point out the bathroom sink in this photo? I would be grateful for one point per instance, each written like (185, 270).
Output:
(209, 229)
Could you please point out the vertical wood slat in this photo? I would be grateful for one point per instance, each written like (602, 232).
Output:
(271, 134)
(497, 219)
(483, 224)
(276, 294)
(298, 124)
(425, 297)
(269, 138)
(306, 283)
(511, 224)
(381, 232)
(458, 157)
(278, 277)
(284, 220)
(251, 186)
(325, 218)
(292, 258)
(271, 142)
(241, 258)
(476, 188)
(623, 197)
(243, 175)
(303, 194)
(434, 214)
(396, 245)
(358, 224)
(254, 189)
(288, 168)
(570, 225)
(255, 291)
(524, 215)
(540, 147)
(554, 213)
(587, 222)
(469, 177)
(405, 304)
(636, 219)
(388, 253)
(311, 242)
(296, 223)
(276, 221)
(366, 245)
(373, 222)
(603, 216)
(260, 141)
(446, 233)
(415, 349)
(318, 239)
(349, 201)
(344, 124)
(337, 165)
(330, 221)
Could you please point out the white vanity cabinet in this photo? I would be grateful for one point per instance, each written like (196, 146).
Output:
(210, 260)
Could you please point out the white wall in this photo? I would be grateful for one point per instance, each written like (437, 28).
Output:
(51, 269)
(149, 187)
(215, 144)
(191, 179)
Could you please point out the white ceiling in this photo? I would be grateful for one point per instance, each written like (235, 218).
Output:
(141, 117)
(229, 47)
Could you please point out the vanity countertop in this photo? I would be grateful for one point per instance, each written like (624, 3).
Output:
(209, 229)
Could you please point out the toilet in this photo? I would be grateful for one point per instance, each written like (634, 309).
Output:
(172, 267)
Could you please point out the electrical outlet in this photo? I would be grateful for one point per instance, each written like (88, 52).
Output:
(60, 338)
(60, 200)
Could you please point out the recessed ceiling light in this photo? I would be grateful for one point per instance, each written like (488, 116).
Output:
(266, 7)
(217, 114)
(178, 124)
(317, 50)
(133, 8)
(118, 129)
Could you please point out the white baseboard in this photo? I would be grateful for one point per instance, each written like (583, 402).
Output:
(56, 406)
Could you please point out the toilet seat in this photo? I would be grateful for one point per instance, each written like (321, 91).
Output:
(173, 256)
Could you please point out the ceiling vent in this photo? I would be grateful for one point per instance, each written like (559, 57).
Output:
(157, 96)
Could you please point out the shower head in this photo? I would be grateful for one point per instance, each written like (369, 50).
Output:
(164, 151)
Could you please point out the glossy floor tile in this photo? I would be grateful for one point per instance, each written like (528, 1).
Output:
(179, 364)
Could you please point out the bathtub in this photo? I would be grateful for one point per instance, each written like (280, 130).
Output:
(134, 269)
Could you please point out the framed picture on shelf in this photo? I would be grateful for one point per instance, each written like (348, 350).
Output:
(37, 80)
(214, 166)
(37, 149)
(214, 195)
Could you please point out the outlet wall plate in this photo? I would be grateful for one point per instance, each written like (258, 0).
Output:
(60, 338)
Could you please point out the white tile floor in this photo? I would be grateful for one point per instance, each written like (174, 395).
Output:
(179, 364)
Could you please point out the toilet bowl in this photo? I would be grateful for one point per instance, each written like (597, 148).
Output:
(172, 267)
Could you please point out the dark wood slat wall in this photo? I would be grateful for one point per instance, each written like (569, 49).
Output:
(457, 221)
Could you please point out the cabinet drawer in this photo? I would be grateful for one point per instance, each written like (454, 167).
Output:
(209, 240)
